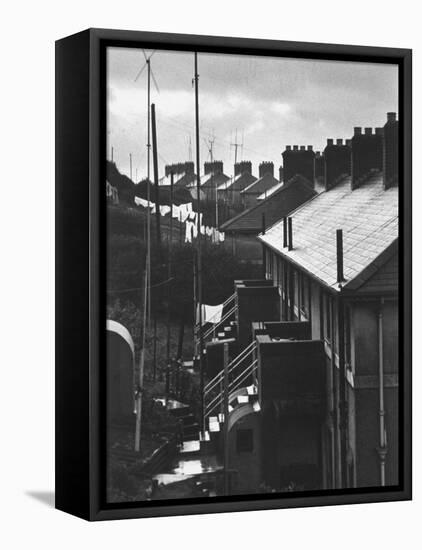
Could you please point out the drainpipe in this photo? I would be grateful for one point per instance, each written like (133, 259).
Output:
(264, 252)
(382, 449)
(342, 392)
(342, 363)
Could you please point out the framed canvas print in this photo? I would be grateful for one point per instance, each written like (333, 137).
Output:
(233, 274)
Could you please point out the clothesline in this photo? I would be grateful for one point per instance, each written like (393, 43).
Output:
(185, 214)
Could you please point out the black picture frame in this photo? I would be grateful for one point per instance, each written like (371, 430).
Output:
(80, 279)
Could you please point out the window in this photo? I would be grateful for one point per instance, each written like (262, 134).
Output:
(244, 441)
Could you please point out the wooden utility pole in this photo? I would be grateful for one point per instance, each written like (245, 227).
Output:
(112, 154)
(140, 383)
(169, 286)
(226, 419)
(130, 164)
(199, 239)
(149, 188)
(155, 164)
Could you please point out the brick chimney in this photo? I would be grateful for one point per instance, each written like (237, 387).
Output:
(179, 168)
(319, 168)
(266, 168)
(367, 154)
(390, 167)
(337, 161)
(245, 166)
(188, 167)
(298, 161)
(280, 173)
(215, 167)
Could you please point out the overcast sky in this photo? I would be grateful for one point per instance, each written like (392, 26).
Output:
(272, 102)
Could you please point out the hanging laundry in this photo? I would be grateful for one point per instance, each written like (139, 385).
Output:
(221, 236)
(164, 210)
(188, 233)
(175, 211)
(142, 202)
(212, 314)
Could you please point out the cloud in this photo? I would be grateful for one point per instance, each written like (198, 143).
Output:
(270, 101)
(280, 108)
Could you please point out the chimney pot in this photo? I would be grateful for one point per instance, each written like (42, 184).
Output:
(357, 130)
(290, 233)
(336, 163)
(390, 140)
(266, 168)
(366, 154)
(302, 148)
(288, 147)
(295, 148)
(378, 131)
(310, 147)
(348, 142)
(339, 242)
(285, 232)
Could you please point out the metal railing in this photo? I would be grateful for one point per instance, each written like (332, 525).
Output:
(248, 354)
(229, 303)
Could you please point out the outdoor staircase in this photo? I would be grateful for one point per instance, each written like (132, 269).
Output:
(226, 326)
(242, 389)
(192, 441)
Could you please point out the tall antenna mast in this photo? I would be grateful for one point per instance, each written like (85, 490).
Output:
(190, 147)
(147, 272)
(148, 254)
(236, 145)
(199, 255)
(210, 147)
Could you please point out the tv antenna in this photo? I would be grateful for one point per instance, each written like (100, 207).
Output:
(236, 146)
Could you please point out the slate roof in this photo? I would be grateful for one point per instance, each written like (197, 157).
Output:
(211, 179)
(238, 183)
(368, 217)
(262, 184)
(276, 206)
(180, 180)
(270, 191)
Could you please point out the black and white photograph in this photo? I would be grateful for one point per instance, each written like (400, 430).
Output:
(252, 275)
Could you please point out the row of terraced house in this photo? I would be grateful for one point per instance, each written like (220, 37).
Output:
(308, 355)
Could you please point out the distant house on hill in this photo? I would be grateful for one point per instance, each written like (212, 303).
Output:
(229, 191)
(183, 174)
(212, 178)
(180, 194)
(112, 194)
(265, 182)
(124, 185)
(242, 230)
